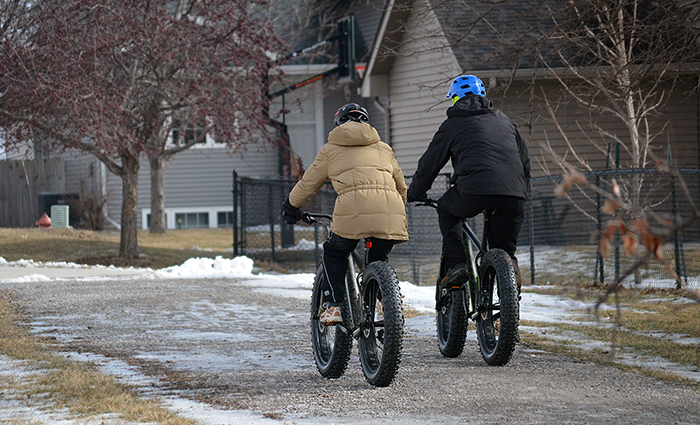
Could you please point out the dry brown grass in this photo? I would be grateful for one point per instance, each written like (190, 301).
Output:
(80, 387)
(89, 247)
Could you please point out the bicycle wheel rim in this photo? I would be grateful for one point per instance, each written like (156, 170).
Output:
(452, 325)
(498, 319)
(331, 346)
(488, 321)
(371, 333)
(380, 340)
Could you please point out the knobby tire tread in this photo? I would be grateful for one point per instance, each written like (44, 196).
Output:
(331, 363)
(498, 352)
(383, 374)
(453, 334)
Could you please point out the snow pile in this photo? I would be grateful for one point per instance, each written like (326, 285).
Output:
(302, 245)
(203, 267)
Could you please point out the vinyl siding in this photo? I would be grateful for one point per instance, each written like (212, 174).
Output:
(197, 179)
(419, 79)
(417, 86)
(679, 118)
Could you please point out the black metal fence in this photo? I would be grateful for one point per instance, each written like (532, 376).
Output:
(558, 241)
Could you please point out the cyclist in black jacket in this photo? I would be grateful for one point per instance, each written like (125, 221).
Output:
(491, 172)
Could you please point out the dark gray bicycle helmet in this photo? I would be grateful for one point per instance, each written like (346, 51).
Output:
(351, 112)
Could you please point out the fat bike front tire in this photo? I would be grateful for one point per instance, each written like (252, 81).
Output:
(331, 344)
(498, 308)
(380, 340)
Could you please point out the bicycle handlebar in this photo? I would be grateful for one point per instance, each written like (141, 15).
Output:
(312, 218)
(427, 203)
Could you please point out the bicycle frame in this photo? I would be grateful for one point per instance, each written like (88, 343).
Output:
(493, 300)
(354, 276)
(469, 235)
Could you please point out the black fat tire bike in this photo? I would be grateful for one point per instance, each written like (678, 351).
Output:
(372, 314)
(490, 298)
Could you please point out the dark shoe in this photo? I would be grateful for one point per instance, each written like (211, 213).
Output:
(456, 276)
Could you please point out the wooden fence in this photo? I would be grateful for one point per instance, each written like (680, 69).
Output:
(23, 186)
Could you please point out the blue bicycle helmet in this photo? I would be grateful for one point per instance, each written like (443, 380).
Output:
(466, 84)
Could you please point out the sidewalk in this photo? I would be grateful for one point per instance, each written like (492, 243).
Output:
(27, 270)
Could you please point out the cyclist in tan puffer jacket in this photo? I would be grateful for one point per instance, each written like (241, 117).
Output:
(370, 204)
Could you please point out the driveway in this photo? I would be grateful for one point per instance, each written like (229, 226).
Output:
(244, 344)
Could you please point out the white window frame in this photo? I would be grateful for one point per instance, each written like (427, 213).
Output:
(171, 212)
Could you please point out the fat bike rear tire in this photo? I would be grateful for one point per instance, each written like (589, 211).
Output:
(498, 308)
(451, 322)
(380, 340)
(331, 344)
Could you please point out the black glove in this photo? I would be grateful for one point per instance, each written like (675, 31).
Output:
(291, 214)
(410, 197)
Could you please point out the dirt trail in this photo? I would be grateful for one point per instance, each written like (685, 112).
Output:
(240, 347)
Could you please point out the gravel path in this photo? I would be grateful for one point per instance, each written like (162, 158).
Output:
(238, 346)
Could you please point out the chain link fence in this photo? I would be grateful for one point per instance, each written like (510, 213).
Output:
(557, 244)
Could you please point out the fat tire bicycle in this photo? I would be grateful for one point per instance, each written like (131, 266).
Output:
(372, 314)
(490, 298)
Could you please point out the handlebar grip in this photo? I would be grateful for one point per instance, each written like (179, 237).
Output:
(306, 218)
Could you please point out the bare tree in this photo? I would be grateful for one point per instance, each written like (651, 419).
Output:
(619, 60)
(115, 79)
(623, 58)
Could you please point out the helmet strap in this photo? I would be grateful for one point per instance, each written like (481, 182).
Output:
(455, 98)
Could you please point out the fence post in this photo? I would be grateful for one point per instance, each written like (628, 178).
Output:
(677, 238)
(617, 234)
(271, 219)
(414, 263)
(286, 230)
(531, 212)
(235, 213)
(599, 261)
(317, 251)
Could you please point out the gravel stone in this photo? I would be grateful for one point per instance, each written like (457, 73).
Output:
(237, 346)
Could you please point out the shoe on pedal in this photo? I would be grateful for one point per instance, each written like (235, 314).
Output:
(331, 315)
(456, 276)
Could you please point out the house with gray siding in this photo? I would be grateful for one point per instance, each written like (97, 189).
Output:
(418, 50)
(198, 184)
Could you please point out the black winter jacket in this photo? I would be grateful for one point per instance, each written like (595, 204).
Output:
(488, 155)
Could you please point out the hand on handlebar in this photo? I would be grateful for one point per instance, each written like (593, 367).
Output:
(291, 214)
(427, 202)
(421, 198)
(306, 218)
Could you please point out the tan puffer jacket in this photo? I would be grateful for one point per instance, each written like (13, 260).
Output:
(369, 182)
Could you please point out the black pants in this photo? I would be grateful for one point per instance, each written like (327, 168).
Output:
(335, 262)
(504, 225)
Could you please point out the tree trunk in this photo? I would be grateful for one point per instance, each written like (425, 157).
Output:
(128, 245)
(159, 165)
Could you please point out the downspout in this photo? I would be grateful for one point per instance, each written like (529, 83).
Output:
(364, 88)
(387, 120)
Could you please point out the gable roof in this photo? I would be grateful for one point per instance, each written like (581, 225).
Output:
(493, 36)
(483, 36)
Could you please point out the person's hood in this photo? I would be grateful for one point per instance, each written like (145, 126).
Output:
(353, 134)
(469, 105)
